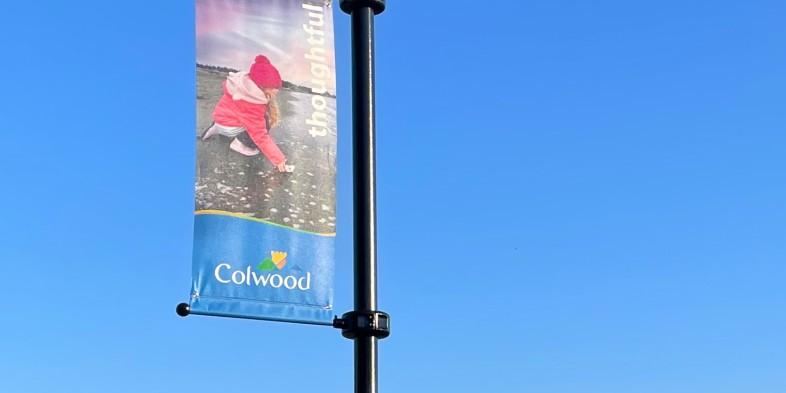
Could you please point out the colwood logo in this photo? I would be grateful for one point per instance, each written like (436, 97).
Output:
(249, 277)
(277, 260)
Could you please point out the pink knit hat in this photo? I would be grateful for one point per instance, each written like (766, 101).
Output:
(264, 74)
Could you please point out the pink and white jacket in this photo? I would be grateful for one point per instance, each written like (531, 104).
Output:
(244, 104)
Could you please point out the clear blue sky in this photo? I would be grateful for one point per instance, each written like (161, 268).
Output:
(575, 197)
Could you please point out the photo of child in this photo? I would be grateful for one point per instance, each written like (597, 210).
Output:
(266, 114)
(248, 110)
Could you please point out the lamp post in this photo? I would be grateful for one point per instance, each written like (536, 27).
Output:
(365, 324)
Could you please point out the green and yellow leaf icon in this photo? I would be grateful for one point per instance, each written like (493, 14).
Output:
(277, 260)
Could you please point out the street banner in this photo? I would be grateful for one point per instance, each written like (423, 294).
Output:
(265, 214)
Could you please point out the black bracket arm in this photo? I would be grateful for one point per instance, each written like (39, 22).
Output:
(356, 324)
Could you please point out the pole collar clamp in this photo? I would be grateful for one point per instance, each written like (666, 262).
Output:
(356, 324)
(350, 5)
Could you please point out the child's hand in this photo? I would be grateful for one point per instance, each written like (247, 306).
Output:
(283, 167)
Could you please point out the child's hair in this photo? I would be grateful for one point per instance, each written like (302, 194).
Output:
(272, 110)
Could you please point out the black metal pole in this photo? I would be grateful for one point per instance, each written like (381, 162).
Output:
(365, 324)
(363, 155)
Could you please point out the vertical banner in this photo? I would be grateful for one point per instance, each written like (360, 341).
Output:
(265, 218)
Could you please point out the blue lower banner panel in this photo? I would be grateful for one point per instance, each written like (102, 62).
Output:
(249, 268)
